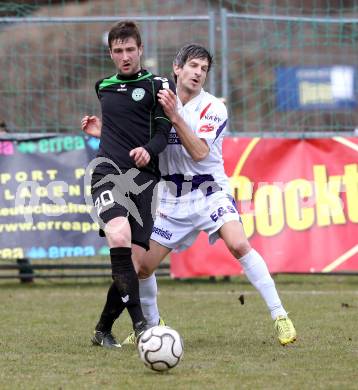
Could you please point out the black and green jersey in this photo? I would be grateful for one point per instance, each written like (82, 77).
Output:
(132, 117)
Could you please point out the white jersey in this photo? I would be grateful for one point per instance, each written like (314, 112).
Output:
(207, 117)
(185, 208)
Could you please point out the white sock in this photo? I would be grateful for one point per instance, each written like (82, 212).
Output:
(148, 299)
(256, 271)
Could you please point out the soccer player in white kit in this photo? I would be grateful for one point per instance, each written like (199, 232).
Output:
(196, 194)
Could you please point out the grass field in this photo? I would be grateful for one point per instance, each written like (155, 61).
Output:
(46, 327)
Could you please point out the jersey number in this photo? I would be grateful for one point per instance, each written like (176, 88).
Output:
(105, 199)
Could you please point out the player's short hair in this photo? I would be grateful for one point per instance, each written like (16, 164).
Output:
(123, 30)
(189, 52)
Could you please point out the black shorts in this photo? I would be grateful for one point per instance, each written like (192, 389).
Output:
(126, 195)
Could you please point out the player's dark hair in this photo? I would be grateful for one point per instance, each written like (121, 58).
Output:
(123, 30)
(189, 52)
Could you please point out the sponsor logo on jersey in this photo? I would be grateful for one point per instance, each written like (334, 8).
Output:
(206, 128)
(173, 139)
(163, 233)
(138, 94)
(221, 211)
(213, 117)
(161, 215)
(122, 88)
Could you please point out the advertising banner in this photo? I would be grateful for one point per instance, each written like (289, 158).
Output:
(42, 208)
(298, 200)
(316, 88)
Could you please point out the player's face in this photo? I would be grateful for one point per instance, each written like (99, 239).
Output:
(126, 56)
(192, 76)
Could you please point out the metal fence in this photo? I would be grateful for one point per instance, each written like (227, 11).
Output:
(254, 46)
(49, 66)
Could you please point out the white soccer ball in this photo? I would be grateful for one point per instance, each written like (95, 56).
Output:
(160, 348)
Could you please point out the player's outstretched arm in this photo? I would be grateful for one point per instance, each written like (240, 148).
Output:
(91, 125)
(197, 148)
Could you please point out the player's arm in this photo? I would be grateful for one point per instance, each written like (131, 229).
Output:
(159, 140)
(197, 148)
(162, 124)
(143, 154)
(91, 125)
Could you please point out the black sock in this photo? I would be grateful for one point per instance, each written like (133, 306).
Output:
(111, 311)
(126, 281)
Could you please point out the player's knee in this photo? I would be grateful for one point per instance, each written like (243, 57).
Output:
(239, 248)
(146, 265)
(118, 233)
(118, 241)
(144, 270)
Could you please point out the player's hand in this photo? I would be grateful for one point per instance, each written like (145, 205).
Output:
(140, 156)
(91, 125)
(168, 100)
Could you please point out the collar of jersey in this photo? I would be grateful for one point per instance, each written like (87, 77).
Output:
(116, 80)
(195, 100)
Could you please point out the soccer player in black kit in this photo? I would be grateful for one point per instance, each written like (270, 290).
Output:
(134, 131)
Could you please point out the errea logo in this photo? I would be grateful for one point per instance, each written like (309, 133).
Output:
(125, 299)
(122, 88)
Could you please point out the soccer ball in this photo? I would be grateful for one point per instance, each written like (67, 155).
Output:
(160, 348)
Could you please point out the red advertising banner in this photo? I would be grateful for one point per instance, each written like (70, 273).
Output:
(298, 200)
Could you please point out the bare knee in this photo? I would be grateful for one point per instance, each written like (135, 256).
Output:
(143, 262)
(147, 264)
(118, 240)
(117, 237)
(144, 270)
(239, 248)
(118, 233)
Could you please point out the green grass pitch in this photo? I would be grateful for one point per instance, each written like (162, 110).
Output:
(46, 329)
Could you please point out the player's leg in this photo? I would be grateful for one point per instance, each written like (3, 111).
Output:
(118, 238)
(112, 310)
(102, 194)
(148, 283)
(221, 219)
(144, 260)
(124, 292)
(169, 232)
(256, 270)
(172, 230)
(253, 265)
(148, 289)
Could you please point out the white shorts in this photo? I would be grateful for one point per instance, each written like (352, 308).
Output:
(177, 224)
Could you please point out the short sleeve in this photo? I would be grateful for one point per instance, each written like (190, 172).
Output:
(212, 120)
